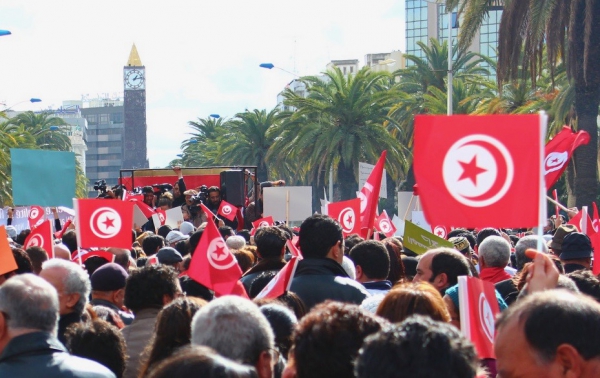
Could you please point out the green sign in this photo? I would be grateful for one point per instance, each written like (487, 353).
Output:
(43, 178)
(420, 241)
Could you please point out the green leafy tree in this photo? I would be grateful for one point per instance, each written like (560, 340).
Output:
(338, 124)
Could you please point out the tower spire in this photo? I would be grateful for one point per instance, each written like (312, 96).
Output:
(134, 57)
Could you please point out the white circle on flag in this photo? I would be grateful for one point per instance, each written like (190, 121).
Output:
(486, 317)
(478, 170)
(34, 213)
(596, 225)
(555, 161)
(161, 217)
(263, 224)
(218, 255)
(385, 226)
(105, 222)
(347, 219)
(440, 231)
(35, 241)
(226, 209)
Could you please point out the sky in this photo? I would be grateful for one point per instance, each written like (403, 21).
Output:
(201, 57)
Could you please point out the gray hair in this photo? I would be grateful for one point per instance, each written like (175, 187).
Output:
(529, 241)
(495, 251)
(29, 302)
(76, 280)
(234, 327)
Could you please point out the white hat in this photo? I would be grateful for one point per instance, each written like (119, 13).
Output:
(176, 236)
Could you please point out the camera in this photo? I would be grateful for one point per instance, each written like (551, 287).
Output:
(100, 186)
(201, 197)
(161, 188)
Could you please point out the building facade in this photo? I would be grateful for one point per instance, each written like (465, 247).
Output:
(426, 19)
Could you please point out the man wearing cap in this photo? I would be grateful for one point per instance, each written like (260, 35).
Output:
(108, 289)
(174, 237)
(169, 256)
(576, 252)
(555, 245)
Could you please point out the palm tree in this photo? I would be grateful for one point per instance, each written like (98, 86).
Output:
(570, 33)
(201, 149)
(48, 131)
(338, 124)
(245, 141)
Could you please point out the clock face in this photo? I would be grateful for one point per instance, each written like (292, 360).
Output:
(134, 79)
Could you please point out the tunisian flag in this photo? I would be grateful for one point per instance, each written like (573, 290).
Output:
(41, 237)
(578, 221)
(227, 210)
(558, 151)
(36, 216)
(369, 196)
(214, 266)
(347, 214)
(483, 170)
(281, 282)
(103, 223)
(478, 310)
(384, 224)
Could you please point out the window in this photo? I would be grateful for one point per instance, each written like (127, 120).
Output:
(116, 117)
(92, 118)
(103, 118)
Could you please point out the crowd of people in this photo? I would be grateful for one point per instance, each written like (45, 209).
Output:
(355, 307)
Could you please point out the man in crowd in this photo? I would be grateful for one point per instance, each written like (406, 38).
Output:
(326, 341)
(178, 188)
(417, 347)
(146, 292)
(236, 329)
(319, 276)
(372, 263)
(494, 254)
(270, 246)
(213, 203)
(441, 267)
(152, 244)
(29, 308)
(576, 253)
(108, 289)
(553, 333)
(73, 286)
(170, 257)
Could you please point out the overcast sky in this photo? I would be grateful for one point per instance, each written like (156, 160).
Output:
(201, 56)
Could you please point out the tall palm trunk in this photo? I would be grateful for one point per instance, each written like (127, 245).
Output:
(346, 182)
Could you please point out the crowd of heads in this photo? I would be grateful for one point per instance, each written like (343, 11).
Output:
(354, 308)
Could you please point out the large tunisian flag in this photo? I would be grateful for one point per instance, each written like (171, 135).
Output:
(103, 223)
(482, 171)
(558, 151)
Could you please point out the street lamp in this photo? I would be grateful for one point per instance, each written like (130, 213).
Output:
(270, 66)
(4, 32)
(32, 100)
(215, 116)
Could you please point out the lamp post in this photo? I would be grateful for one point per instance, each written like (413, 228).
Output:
(31, 100)
(215, 116)
(450, 89)
(4, 32)
(270, 66)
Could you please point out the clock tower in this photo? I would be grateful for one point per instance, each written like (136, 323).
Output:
(134, 134)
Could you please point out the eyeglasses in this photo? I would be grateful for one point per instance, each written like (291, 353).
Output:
(274, 354)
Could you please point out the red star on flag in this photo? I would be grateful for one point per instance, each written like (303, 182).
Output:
(471, 170)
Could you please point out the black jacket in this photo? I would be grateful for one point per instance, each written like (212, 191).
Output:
(39, 354)
(264, 265)
(317, 280)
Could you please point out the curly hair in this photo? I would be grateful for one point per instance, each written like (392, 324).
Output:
(146, 287)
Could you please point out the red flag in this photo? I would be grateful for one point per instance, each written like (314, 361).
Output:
(478, 169)
(227, 210)
(347, 214)
(41, 237)
(578, 220)
(209, 214)
(596, 219)
(369, 196)
(162, 216)
(213, 265)
(384, 224)
(144, 208)
(281, 282)
(478, 310)
(595, 239)
(262, 222)
(291, 244)
(36, 216)
(85, 254)
(440, 231)
(59, 234)
(103, 223)
(7, 259)
(558, 151)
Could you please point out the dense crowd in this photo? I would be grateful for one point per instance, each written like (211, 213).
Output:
(355, 307)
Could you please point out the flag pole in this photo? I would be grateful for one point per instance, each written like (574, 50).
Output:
(556, 208)
(558, 204)
(542, 182)
(287, 207)
(77, 230)
(584, 216)
(408, 207)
